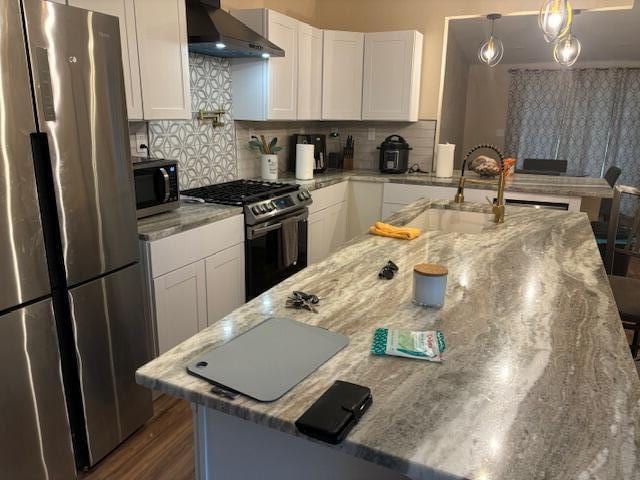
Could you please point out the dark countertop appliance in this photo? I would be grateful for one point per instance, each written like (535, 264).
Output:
(394, 155)
(275, 217)
(319, 142)
(156, 185)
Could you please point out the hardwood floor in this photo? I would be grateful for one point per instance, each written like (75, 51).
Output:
(161, 450)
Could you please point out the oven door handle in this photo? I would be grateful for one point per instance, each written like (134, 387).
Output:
(257, 232)
(167, 186)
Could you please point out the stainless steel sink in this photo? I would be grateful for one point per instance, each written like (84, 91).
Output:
(452, 221)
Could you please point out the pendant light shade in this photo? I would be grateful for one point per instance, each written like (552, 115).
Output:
(491, 50)
(555, 19)
(567, 50)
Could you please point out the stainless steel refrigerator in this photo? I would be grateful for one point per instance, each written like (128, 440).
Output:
(72, 323)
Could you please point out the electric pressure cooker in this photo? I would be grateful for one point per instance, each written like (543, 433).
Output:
(394, 155)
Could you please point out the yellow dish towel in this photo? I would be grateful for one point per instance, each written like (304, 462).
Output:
(386, 230)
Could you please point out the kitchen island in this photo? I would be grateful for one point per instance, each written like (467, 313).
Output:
(538, 381)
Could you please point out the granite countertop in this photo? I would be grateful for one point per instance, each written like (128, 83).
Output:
(538, 381)
(521, 182)
(188, 216)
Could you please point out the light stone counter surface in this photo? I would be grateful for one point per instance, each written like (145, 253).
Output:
(538, 381)
(188, 216)
(521, 182)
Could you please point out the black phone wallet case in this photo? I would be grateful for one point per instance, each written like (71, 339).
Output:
(336, 412)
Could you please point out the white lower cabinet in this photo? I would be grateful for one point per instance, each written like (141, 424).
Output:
(225, 282)
(194, 278)
(181, 305)
(318, 241)
(327, 231)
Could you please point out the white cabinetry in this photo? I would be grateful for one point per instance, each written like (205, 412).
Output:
(391, 80)
(396, 196)
(123, 9)
(342, 75)
(267, 89)
(309, 72)
(195, 278)
(327, 225)
(225, 282)
(181, 305)
(161, 29)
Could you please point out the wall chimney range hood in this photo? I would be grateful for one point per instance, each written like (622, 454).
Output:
(214, 32)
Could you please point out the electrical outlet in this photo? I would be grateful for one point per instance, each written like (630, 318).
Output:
(371, 134)
(141, 139)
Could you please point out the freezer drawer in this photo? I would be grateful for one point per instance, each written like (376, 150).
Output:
(113, 340)
(35, 438)
(23, 264)
(80, 102)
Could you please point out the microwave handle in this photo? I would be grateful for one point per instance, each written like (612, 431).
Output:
(167, 186)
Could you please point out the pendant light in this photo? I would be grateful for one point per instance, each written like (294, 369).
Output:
(491, 50)
(568, 48)
(555, 19)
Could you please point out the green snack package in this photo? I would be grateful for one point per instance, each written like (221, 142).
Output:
(427, 345)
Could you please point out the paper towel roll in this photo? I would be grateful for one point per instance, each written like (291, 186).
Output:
(444, 160)
(304, 161)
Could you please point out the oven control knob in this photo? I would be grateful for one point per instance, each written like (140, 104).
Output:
(262, 208)
(272, 206)
(255, 210)
(301, 196)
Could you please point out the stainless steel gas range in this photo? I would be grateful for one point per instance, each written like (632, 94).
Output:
(275, 217)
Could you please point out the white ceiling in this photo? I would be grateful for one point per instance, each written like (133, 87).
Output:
(605, 35)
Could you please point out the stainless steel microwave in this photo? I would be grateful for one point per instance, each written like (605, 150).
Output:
(156, 183)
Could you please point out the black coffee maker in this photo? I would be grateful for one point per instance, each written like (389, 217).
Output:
(394, 155)
(319, 151)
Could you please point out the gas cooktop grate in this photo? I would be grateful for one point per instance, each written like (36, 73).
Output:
(240, 192)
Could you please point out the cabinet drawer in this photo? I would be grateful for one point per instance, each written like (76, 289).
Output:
(328, 196)
(173, 252)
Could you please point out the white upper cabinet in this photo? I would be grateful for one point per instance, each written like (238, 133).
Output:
(161, 28)
(391, 83)
(123, 9)
(309, 72)
(342, 75)
(267, 89)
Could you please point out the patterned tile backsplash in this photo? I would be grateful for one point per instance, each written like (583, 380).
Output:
(209, 155)
(367, 137)
(205, 154)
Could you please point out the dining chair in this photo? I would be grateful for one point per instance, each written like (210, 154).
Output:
(626, 290)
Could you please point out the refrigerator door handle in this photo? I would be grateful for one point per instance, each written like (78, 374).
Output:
(167, 185)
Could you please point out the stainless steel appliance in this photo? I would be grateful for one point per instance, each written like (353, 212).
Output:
(275, 214)
(212, 31)
(319, 143)
(156, 186)
(394, 155)
(72, 325)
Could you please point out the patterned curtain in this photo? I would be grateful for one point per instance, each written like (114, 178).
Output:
(590, 117)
